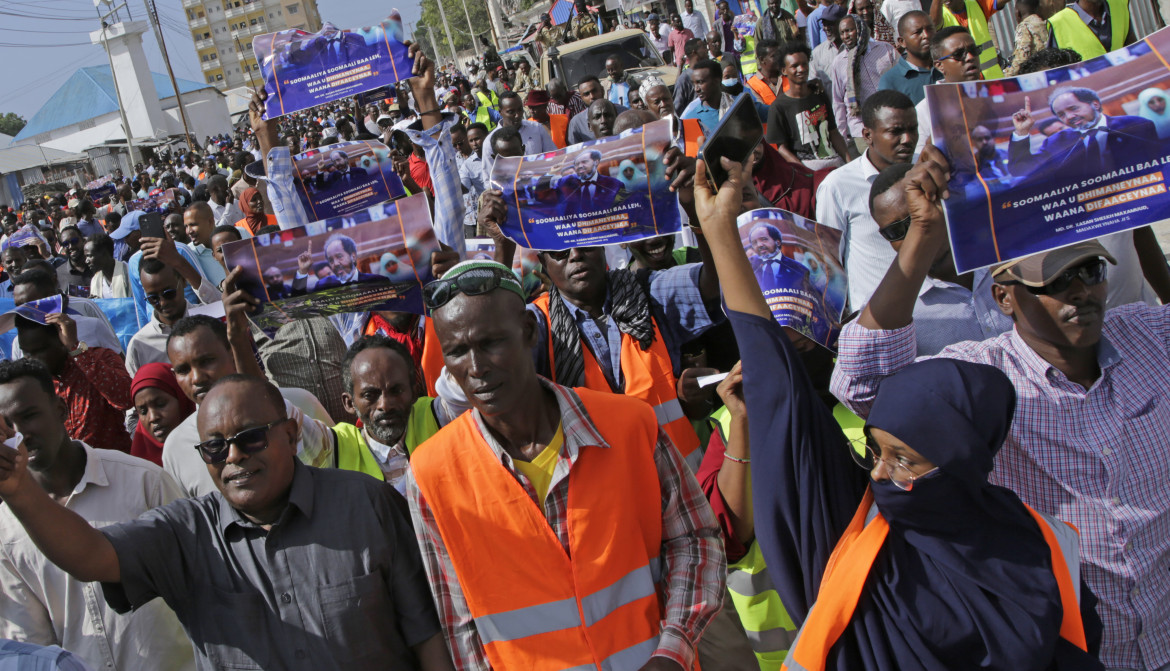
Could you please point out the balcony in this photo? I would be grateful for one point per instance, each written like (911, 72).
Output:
(211, 65)
(235, 12)
(187, 4)
(248, 31)
(198, 22)
(204, 44)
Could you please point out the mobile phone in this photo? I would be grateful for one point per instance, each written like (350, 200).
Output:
(151, 225)
(738, 134)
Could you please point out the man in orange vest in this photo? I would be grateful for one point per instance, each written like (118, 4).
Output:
(627, 577)
(767, 81)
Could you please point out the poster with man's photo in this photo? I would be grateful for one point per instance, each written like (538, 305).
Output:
(797, 264)
(601, 192)
(346, 177)
(376, 261)
(302, 70)
(1044, 160)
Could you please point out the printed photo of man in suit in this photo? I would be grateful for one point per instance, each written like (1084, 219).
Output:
(341, 255)
(587, 190)
(1092, 143)
(773, 269)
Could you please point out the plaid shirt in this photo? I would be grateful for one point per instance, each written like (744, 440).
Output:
(96, 388)
(575, 106)
(692, 548)
(282, 190)
(1096, 459)
(444, 172)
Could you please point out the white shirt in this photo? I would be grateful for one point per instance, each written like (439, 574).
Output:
(1127, 283)
(660, 40)
(843, 204)
(41, 604)
(149, 345)
(315, 447)
(696, 23)
(537, 140)
(894, 10)
(922, 110)
(226, 215)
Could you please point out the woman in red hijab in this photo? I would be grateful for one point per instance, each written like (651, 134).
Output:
(252, 205)
(161, 406)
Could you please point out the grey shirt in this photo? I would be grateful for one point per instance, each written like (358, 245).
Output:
(337, 583)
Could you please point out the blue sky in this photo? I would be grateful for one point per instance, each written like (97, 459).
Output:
(60, 28)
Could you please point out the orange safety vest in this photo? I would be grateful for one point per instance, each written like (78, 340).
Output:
(537, 605)
(692, 137)
(559, 129)
(763, 90)
(649, 377)
(432, 356)
(849, 567)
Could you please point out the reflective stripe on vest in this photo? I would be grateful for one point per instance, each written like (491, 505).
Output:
(853, 558)
(649, 377)
(538, 605)
(747, 60)
(988, 55)
(767, 624)
(1070, 32)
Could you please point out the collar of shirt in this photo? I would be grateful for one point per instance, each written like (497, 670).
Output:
(1087, 18)
(909, 69)
(381, 451)
(165, 329)
(1107, 357)
(198, 249)
(94, 474)
(300, 496)
(578, 429)
(868, 170)
(580, 315)
(350, 278)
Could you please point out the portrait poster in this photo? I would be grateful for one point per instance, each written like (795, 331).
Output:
(601, 192)
(798, 266)
(346, 177)
(1045, 160)
(302, 70)
(377, 259)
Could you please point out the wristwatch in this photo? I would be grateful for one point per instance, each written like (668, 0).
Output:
(81, 349)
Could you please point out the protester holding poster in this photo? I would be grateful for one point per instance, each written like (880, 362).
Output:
(346, 177)
(796, 263)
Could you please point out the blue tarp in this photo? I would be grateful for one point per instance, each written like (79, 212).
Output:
(120, 311)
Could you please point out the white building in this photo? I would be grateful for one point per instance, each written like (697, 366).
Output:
(222, 31)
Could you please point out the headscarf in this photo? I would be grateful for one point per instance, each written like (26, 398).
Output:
(1161, 121)
(856, 57)
(155, 376)
(635, 183)
(965, 577)
(255, 220)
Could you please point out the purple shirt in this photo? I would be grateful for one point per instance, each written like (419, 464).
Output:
(1096, 459)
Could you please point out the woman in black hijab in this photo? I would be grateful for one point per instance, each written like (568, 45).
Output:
(919, 563)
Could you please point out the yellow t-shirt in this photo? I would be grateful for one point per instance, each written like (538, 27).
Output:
(539, 471)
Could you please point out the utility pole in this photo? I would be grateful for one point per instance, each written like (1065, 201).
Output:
(152, 15)
(447, 29)
(114, 75)
(497, 23)
(474, 41)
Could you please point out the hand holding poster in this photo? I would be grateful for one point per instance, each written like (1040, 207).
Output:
(346, 177)
(376, 261)
(796, 263)
(601, 192)
(302, 70)
(1044, 160)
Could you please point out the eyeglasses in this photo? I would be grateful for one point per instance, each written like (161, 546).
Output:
(474, 282)
(961, 54)
(71, 242)
(897, 230)
(165, 294)
(867, 457)
(248, 441)
(1091, 274)
(564, 254)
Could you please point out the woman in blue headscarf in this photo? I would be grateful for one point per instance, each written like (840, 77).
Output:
(1154, 104)
(919, 563)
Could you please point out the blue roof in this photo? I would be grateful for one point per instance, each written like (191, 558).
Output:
(88, 94)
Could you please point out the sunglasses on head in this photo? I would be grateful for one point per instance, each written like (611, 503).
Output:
(165, 294)
(961, 54)
(248, 441)
(474, 282)
(1090, 273)
(897, 230)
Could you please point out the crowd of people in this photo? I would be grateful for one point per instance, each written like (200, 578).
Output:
(974, 479)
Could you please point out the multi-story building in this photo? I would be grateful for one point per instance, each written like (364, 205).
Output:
(223, 30)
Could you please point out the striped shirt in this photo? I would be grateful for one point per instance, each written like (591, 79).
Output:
(1096, 459)
(692, 548)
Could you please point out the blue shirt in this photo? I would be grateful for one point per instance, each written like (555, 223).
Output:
(708, 116)
(908, 79)
(813, 31)
(948, 313)
(16, 656)
(676, 305)
(207, 263)
(144, 309)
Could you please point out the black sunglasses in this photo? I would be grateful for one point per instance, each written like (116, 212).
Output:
(474, 282)
(71, 242)
(961, 54)
(165, 294)
(1091, 274)
(897, 230)
(564, 254)
(248, 441)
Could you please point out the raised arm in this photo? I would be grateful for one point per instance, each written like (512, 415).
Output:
(62, 535)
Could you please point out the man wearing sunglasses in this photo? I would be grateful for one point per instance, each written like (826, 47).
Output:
(950, 308)
(956, 56)
(283, 567)
(498, 482)
(164, 292)
(1088, 443)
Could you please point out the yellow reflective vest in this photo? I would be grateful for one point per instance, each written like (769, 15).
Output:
(1070, 32)
(353, 454)
(977, 26)
(747, 60)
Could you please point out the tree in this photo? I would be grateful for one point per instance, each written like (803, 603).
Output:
(10, 123)
(457, 19)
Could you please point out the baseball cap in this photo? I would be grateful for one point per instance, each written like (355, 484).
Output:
(1040, 269)
(128, 225)
(832, 14)
(652, 17)
(385, 120)
(74, 202)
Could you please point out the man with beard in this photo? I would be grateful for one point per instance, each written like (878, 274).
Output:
(890, 131)
(382, 389)
(773, 269)
(74, 272)
(341, 255)
(587, 190)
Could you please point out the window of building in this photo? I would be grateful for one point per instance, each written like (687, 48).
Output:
(219, 78)
(210, 79)
(292, 9)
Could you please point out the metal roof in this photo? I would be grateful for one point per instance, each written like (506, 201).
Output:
(88, 94)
